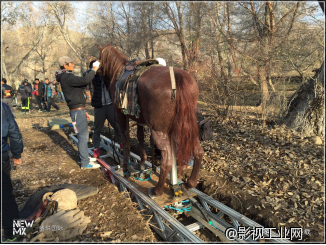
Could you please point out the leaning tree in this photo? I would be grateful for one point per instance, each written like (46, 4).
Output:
(306, 106)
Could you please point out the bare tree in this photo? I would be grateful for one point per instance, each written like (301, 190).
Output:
(62, 11)
(10, 74)
(306, 107)
(175, 13)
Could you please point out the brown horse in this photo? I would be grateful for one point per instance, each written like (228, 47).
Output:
(172, 122)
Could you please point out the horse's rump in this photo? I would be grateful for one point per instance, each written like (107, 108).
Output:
(172, 117)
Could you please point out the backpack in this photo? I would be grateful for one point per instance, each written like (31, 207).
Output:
(204, 125)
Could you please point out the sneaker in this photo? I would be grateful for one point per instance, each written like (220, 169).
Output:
(97, 152)
(39, 110)
(30, 111)
(91, 166)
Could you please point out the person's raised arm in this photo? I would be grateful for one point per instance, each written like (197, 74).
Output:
(85, 80)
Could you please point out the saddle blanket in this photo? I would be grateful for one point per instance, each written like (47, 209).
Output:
(127, 99)
(126, 96)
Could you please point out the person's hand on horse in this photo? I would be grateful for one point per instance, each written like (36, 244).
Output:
(17, 161)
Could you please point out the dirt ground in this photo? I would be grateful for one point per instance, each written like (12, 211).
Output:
(266, 172)
(49, 159)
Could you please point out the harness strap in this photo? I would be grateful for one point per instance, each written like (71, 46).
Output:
(173, 95)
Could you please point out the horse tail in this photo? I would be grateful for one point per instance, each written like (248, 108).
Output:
(185, 126)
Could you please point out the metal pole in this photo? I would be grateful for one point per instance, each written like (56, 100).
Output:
(173, 172)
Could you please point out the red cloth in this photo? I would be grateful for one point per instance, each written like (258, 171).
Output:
(36, 89)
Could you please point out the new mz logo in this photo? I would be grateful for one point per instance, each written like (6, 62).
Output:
(20, 226)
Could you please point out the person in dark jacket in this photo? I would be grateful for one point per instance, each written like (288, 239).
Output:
(103, 110)
(9, 208)
(39, 94)
(30, 99)
(7, 94)
(73, 90)
(25, 93)
(49, 92)
(44, 98)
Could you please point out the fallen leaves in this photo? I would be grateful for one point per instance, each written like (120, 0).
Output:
(281, 169)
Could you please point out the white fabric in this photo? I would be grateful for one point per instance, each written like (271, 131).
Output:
(66, 198)
(161, 61)
(96, 64)
(68, 224)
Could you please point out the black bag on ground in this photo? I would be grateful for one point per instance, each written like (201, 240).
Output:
(204, 125)
(205, 131)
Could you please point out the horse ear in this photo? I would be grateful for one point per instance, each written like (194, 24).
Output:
(99, 46)
(108, 44)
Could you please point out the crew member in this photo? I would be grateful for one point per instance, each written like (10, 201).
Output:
(73, 90)
(49, 92)
(9, 209)
(39, 89)
(6, 94)
(25, 93)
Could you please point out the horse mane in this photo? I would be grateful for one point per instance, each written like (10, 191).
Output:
(112, 62)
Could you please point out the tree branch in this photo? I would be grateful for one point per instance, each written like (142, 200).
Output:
(283, 18)
(32, 50)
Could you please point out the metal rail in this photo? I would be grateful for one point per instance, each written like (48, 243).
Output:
(163, 223)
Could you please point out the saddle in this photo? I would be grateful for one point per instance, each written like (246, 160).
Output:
(126, 97)
(131, 68)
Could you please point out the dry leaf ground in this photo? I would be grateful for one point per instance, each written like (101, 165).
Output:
(268, 173)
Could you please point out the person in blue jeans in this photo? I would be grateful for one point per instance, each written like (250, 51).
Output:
(73, 89)
(49, 92)
(59, 92)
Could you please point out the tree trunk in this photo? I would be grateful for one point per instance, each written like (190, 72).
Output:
(11, 74)
(306, 107)
(147, 51)
(263, 83)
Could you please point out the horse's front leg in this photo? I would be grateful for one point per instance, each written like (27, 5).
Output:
(141, 139)
(124, 127)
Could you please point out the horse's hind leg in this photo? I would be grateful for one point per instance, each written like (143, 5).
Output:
(163, 143)
(141, 139)
(198, 156)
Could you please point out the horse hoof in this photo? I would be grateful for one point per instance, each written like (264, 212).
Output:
(139, 167)
(151, 193)
(185, 187)
(142, 175)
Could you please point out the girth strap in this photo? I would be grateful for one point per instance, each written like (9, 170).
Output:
(173, 95)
